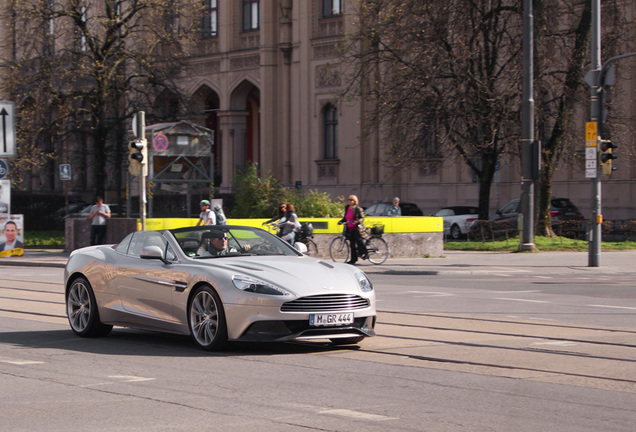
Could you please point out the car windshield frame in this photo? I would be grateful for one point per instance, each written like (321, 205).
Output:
(194, 242)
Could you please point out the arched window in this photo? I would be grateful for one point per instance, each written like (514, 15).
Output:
(330, 131)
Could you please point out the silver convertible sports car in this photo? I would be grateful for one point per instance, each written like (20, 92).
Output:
(217, 284)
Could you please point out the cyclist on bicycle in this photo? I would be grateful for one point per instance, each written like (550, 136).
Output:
(353, 218)
(287, 222)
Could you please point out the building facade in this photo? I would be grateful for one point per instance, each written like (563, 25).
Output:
(267, 75)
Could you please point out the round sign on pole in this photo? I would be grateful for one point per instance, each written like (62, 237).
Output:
(160, 142)
(4, 169)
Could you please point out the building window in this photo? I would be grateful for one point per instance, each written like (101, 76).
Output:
(250, 15)
(83, 41)
(210, 19)
(171, 17)
(330, 132)
(331, 8)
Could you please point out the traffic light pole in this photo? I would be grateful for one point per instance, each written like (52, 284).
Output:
(594, 234)
(138, 158)
(142, 178)
(529, 172)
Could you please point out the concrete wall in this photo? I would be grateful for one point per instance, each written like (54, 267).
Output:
(401, 245)
(77, 231)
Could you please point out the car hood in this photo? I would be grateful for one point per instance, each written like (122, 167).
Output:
(302, 275)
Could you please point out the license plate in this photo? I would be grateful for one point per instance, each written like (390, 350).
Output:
(334, 319)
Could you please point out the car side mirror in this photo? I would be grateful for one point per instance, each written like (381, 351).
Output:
(153, 252)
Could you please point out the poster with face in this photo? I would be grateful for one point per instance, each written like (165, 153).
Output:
(12, 235)
(5, 198)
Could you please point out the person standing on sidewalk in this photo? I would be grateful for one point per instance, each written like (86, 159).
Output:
(395, 209)
(353, 218)
(100, 213)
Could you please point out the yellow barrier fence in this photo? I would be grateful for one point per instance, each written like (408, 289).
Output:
(404, 224)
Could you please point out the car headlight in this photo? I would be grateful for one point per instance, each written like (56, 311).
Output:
(250, 284)
(363, 282)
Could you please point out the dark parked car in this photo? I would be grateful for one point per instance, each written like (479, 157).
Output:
(382, 209)
(566, 217)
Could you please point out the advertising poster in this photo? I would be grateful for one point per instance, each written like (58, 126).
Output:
(5, 198)
(12, 235)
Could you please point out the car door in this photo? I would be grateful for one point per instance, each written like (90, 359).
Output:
(146, 286)
(505, 220)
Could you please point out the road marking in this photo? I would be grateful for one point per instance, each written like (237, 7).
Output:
(19, 362)
(515, 292)
(614, 307)
(432, 293)
(556, 343)
(130, 378)
(356, 414)
(521, 300)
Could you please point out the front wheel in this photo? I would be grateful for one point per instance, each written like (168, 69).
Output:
(207, 319)
(312, 248)
(378, 250)
(339, 249)
(81, 309)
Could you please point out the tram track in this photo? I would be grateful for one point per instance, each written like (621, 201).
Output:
(595, 356)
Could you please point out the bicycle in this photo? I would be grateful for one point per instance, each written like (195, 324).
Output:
(304, 236)
(377, 247)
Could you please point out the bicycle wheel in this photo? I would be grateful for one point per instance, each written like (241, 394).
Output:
(312, 249)
(378, 249)
(339, 249)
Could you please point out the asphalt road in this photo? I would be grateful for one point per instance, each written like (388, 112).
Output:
(484, 349)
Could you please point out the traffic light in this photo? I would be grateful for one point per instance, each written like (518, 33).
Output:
(138, 157)
(606, 156)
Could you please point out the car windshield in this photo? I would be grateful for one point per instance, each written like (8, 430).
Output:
(561, 203)
(445, 212)
(226, 241)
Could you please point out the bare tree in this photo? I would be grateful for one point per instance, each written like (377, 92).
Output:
(82, 68)
(444, 77)
(562, 41)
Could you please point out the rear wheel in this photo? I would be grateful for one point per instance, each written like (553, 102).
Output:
(207, 319)
(312, 248)
(81, 309)
(339, 249)
(378, 250)
(455, 232)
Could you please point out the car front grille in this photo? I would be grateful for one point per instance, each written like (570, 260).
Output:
(326, 302)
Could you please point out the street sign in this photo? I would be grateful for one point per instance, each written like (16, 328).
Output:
(65, 172)
(7, 129)
(160, 142)
(590, 133)
(4, 169)
(591, 152)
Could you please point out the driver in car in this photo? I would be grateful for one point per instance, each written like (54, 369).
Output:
(219, 245)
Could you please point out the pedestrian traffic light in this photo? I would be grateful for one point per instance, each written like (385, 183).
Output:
(138, 157)
(606, 156)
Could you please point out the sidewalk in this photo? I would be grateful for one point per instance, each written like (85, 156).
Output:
(453, 262)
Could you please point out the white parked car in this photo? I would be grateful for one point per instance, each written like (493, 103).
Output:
(458, 220)
(217, 284)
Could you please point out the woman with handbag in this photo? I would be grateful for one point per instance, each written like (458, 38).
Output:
(353, 218)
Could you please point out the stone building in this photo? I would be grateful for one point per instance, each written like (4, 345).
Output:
(266, 77)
